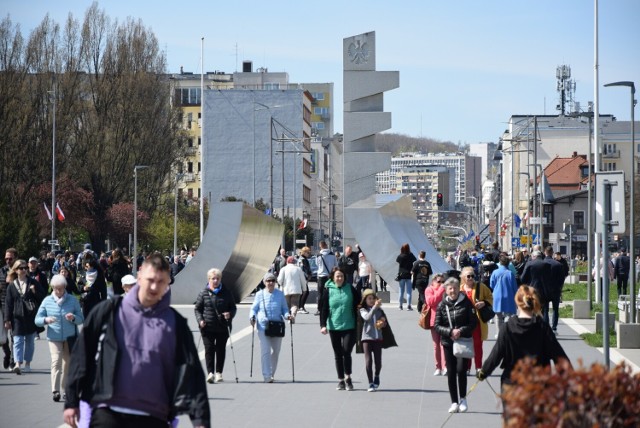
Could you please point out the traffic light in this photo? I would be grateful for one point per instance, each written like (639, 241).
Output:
(439, 199)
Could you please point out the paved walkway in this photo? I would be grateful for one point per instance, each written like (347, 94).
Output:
(409, 394)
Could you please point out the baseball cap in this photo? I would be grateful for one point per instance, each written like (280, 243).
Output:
(32, 259)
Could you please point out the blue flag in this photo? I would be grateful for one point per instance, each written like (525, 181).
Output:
(517, 220)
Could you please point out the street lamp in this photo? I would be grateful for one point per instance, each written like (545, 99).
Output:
(632, 233)
(175, 217)
(530, 240)
(135, 216)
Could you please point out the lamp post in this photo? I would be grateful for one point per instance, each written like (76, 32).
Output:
(135, 216)
(175, 217)
(632, 232)
(528, 199)
(535, 195)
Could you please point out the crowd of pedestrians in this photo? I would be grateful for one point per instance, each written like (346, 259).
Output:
(113, 308)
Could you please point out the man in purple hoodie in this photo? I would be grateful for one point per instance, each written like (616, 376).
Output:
(135, 361)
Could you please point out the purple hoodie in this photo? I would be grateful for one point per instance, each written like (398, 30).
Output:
(146, 356)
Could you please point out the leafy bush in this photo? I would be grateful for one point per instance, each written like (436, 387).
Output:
(593, 397)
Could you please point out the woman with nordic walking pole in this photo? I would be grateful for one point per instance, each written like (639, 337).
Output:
(214, 310)
(268, 312)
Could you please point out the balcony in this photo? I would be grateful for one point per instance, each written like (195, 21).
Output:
(613, 154)
(191, 151)
(189, 177)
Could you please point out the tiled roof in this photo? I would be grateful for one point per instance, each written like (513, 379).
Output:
(565, 173)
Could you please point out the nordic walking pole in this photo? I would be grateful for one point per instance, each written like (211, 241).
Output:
(233, 354)
(253, 330)
(293, 370)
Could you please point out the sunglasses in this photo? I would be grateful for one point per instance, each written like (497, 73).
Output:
(469, 276)
(270, 280)
(22, 268)
(440, 282)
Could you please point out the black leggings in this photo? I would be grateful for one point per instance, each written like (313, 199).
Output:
(456, 374)
(372, 348)
(343, 342)
(303, 298)
(104, 417)
(215, 347)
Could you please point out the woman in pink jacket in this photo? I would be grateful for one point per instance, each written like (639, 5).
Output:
(433, 296)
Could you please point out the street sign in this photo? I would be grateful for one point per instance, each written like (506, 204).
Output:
(53, 242)
(617, 200)
(524, 239)
(515, 242)
(301, 241)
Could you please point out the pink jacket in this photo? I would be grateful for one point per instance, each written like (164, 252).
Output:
(433, 296)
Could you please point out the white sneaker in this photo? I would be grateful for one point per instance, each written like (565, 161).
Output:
(453, 408)
(210, 378)
(444, 372)
(218, 378)
(463, 406)
(438, 372)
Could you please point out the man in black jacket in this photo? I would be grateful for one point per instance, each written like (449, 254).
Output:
(537, 274)
(555, 287)
(421, 272)
(135, 361)
(621, 271)
(348, 262)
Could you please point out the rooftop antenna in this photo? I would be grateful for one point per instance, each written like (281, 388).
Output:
(566, 87)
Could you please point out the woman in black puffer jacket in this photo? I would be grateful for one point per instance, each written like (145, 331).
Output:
(463, 322)
(214, 309)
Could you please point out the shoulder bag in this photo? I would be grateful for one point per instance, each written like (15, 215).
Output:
(463, 346)
(274, 328)
(425, 317)
(486, 312)
(23, 308)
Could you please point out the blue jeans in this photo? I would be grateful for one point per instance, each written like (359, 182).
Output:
(23, 347)
(405, 287)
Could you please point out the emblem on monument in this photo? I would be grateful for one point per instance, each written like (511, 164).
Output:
(358, 52)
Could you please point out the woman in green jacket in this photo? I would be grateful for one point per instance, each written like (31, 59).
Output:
(338, 319)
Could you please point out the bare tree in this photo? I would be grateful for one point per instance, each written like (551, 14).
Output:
(108, 84)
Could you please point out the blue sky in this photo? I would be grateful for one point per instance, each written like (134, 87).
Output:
(465, 67)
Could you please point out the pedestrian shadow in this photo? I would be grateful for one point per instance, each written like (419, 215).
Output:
(410, 390)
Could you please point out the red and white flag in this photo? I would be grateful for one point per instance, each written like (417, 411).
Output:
(48, 212)
(59, 212)
(303, 224)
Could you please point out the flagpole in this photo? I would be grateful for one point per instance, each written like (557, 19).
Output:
(53, 174)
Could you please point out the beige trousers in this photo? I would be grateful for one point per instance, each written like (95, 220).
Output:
(59, 362)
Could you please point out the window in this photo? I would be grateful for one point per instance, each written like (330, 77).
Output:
(578, 219)
(547, 213)
(190, 142)
(190, 96)
(317, 125)
(321, 111)
(199, 167)
(189, 167)
(271, 86)
(199, 141)
(319, 96)
(190, 193)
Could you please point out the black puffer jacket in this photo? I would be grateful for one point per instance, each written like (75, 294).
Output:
(209, 308)
(463, 317)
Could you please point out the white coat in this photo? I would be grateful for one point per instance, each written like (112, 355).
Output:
(292, 279)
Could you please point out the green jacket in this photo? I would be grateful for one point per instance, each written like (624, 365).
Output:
(339, 307)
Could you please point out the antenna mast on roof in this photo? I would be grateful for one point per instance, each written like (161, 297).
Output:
(566, 87)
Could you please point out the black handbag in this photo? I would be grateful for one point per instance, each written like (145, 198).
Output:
(275, 329)
(486, 312)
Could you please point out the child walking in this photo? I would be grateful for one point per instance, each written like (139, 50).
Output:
(374, 335)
